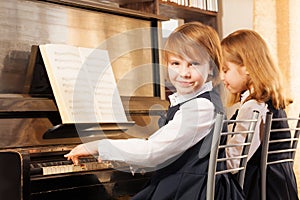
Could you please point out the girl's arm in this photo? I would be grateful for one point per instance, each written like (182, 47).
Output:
(245, 113)
(190, 124)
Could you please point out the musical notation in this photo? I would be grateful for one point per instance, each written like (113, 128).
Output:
(83, 84)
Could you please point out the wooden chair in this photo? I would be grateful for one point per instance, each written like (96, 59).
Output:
(290, 151)
(216, 147)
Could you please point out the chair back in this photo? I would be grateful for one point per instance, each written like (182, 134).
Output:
(220, 158)
(278, 149)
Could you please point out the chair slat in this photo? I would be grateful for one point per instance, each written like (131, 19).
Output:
(280, 161)
(236, 133)
(231, 158)
(284, 129)
(229, 170)
(283, 140)
(234, 145)
(281, 151)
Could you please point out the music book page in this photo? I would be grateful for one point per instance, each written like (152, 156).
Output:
(83, 84)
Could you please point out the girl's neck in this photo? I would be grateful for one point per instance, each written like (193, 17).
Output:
(244, 95)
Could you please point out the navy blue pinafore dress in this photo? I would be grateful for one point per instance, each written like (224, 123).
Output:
(281, 181)
(186, 177)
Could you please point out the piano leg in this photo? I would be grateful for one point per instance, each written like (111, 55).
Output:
(11, 180)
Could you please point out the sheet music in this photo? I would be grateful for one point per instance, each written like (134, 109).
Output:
(83, 84)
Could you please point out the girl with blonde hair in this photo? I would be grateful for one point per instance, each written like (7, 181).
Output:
(252, 78)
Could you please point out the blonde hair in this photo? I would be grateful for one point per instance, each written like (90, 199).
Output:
(247, 48)
(196, 41)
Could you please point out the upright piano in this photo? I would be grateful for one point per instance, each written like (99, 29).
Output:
(34, 141)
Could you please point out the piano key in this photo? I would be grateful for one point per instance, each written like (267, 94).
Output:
(67, 166)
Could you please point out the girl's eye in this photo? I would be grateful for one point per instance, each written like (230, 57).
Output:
(174, 63)
(195, 64)
(224, 69)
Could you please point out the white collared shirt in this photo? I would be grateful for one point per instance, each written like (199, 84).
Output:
(191, 123)
(245, 112)
(177, 99)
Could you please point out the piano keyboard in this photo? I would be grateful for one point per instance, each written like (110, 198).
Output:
(60, 167)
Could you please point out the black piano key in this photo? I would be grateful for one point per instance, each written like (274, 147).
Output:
(36, 171)
(67, 162)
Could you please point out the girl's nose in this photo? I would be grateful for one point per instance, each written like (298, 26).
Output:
(184, 71)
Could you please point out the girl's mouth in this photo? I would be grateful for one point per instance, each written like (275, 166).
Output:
(185, 84)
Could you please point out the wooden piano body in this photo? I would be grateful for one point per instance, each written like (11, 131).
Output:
(32, 144)
(34, 141)
(32, 136)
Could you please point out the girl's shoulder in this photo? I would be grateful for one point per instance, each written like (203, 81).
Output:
(253, 104)
(196, 102)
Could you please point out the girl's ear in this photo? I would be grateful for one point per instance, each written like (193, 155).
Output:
(244, 68)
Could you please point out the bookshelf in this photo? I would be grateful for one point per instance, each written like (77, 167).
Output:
(189, 13)
(205, 11)
(155, 11)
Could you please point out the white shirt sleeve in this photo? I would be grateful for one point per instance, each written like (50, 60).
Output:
(245, 112)
(191, 123)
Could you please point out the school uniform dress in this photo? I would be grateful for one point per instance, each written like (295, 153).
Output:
(185, 177)
(281, 181)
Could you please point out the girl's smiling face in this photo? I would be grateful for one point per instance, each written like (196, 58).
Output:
(187, 76)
